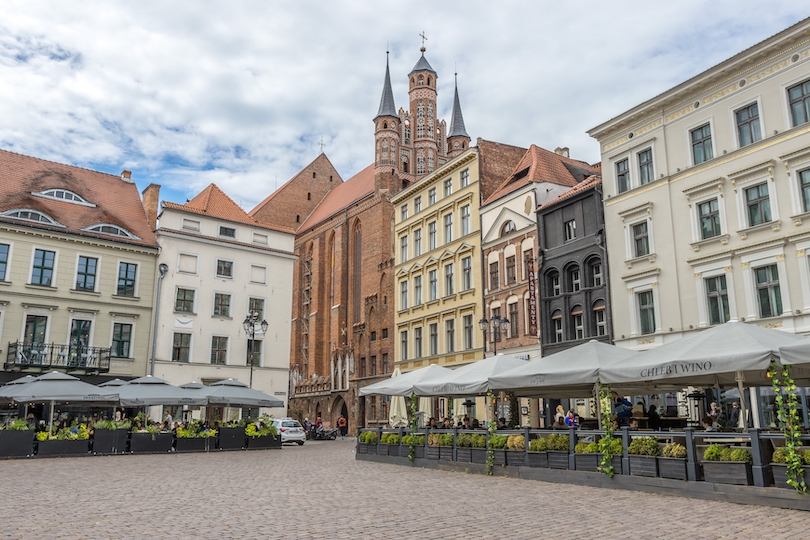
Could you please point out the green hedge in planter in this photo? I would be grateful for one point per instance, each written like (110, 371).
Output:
(674, 450)
(516, 442)
(446, 439)
(418, 440)
(717, 453)
(390, 438)
(644, 446)
(558, 442)
(368, 437)
(478, 440)
(498, 442)
(538, 445)
(464, 440)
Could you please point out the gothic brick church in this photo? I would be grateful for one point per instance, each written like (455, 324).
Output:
(343, 304)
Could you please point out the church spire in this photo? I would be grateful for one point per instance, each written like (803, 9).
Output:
(387, 107)
(457, 120)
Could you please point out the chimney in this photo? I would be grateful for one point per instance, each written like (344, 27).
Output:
(126, 176)
(562, 151)
(149, 199)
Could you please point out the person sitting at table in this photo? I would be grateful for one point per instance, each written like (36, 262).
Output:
(734, 416)
(708, 423)
(571, 419)
(633, 424)
(560, 413)
(475, 424)
(559, 423)
(621, 408)
(653, 420)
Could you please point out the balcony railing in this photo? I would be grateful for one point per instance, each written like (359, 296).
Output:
(24, 356)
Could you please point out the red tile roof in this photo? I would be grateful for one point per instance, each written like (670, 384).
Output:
(541, 165)
(588, 183)
(355, 188)
(213, 202)
(117, 202)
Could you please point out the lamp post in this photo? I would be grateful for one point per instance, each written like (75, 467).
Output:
(163, 269)
(249, 324)
(496, 326)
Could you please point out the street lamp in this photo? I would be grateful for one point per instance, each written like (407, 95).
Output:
(249, 324)
(497, 325)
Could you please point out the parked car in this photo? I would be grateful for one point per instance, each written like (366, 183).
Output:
(291, 430)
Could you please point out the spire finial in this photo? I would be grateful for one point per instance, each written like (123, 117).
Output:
(321, 145)
(422, 35)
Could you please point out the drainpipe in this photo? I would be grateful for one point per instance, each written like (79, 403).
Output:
(163, 268)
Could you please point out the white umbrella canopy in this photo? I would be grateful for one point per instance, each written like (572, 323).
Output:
(13, 386)
(717, 356)
(230, 392)
(568, 373)
(797, 355)
(146, 391)
(57, 386)
(404, 384)
(398, 412)
(114, 382)
(470, 380)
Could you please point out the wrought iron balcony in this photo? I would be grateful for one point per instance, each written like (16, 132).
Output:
(24, 356)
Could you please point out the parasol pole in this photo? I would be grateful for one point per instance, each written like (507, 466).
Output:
(740, 377)
(50, 426)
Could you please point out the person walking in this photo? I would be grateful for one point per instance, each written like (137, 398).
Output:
(343, 424)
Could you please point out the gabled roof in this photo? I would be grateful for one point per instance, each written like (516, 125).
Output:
(590, 182)
(213, 202)
(540, 165)
(355, 188)
(289, 183)
(457, 120)
(387, 107)
(422, 65)
(112, 200)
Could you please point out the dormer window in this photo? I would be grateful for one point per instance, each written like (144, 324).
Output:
(508, 227)
(31, 215)
(63, 195)
(113, 230)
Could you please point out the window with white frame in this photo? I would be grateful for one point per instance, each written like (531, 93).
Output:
(769, 295)
(86, 273)
(465, 220)
(417, 290)
(450, 335)
(219, 350)
(596, 273)
(403, 345)
(709, 218)
(623, 175)
(748, 129)
(404, 212)
(553, 280)
(184, 300)
(448, 228)
(512, 309)
(701, 140)
(577, 326)
(431, 236)
(403, 248)
(758, 204)
(43, 267)
(403, 294)
(431, 196)
(468, 331)
(222, 304)
(448, 187)
(417, 342)
(641, 239)
(574, 279)
(121, 340)
(494, 275)
(804, 188)
(5, 249)
(570, 230)
(466, 273)
(224, 268)
(717, 299)
(511, 271)
(433, 285)
(181, 347)
(646, 312)
(417, 205)
(645, 166)
(433, 337)
(599, 318)
(799, 100)
(417, 242)
(465, 178)
(449, 280)
(556, 320)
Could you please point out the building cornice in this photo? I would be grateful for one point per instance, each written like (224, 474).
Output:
(79, 239)
(185, 236)
(433, 178)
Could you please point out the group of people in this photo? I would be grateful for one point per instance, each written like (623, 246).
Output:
(715, 419)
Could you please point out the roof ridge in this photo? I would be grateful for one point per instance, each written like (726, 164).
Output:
(57, 163)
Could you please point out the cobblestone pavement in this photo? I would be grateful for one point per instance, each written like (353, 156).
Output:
(320, 491)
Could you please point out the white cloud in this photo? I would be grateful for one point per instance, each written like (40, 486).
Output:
(240, 94)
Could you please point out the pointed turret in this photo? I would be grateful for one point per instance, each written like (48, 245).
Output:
(457, 140)
(386, 129)
(387, 107)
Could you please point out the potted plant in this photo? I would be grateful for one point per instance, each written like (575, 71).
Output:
(478, 450)
(433, 451)
(616, 450)
(587, 456)
(16, 439)
(538, 452)
(367, 443)
(68, 441)
(464, 448)
(193, 438)
(498, 444)
(262, 434)
(727, 465)
(382, 448)
(672, 462)
(643, 453)
(231, 435)
(150, 440)
(558, 451)
(110, 437)
(779, 468)
(391, 442)
(516, 450)
(418, 441)
(446, 446)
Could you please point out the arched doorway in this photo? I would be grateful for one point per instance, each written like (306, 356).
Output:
(339, 408)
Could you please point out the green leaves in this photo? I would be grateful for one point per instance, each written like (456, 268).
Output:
(787, 412)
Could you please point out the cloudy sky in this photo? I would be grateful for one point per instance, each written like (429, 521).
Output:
(241, 93)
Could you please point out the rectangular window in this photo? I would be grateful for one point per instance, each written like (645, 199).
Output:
(645, 166)
(403, 248)
(43, 267)
(230, 232)
(373, 365)
(449, 281)
(121, 339)
(224, 268)
(417, 242)
(258, 274)
(465, 178)
(799, 97)
(254, 356)
(434, 286)
(404, 212)
(748, 125)
(527, 256)
(431, 196)
(511, 272)
(465, 220)
(448, 228)
(219, 350)
(403, 345)
(363, 366)
(385, 362)
(558, 329)
(596, 272)
(256, 305)
(448, 187)
(417, 290)
(466, 273)
(513, 320)
(555, 285)
(601, 324)
(494, 277)
(576, 322)
(385, 333)
(259, 238)
(641, 239)
(126, 279)
(403, 295)
(768, 293)
(702, 144)
(4, 249)
(222, 304)
(570, 230)
(187, 264)
(468, 332)
(646, 312)
(623, 175)
(709, 215)
(184, 301)
(717, 297)
(433, 330)
(417, 342)
(86, 274)
(417, 205)
(431, 236)
(191, 225)
(181, 346)
(450, 330)
(804, 182)
(373, 337)
(576, 282)
(759, 204)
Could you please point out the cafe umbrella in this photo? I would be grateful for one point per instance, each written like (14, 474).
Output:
(230, 392)
(112, 383)
(404, 384)
(13, 386)
(147, 391)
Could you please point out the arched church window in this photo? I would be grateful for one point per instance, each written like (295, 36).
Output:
(420, 119)
(420, 80)
(431, 161)
(420, 162)
(385, 152)
(430, 120)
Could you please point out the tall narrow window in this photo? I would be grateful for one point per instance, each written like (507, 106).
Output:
(641, 239)
(596, 274)
(448, 187)
(403, 345)
(449, 280)
(646, 312)
(86, 274)
(717, 297)
(257, 306)
(576, 323)
(623, 175)
(417, 242)
(645, 166)
(769, 295)
(403, 295)
(570, 230)
(417, 342)
(181, 346)
(417, 290)
(804, 181)
(417, 205)
(126, 279)
(42, 273)
(358, 269)
(448, 228)
(494, 277)
(709, 215)
(468, 331)
(433, 330)
(373, 365)
(433, 285)
(748, 125)
(466, 273)
(465, 220)
(222, 305)
(511, 274)
(799, 97)
(431, 196)
(121, 340)
(513, 320)
(574, 279)
(556, 319)
(465, 178)
(385, 362)
(431, 236)
(759, 204)
(404, 212)
(554, 284)
(702, 144)
(4, 249)
(450, 328)
(403, 248)
(219, 350)
(599, 318)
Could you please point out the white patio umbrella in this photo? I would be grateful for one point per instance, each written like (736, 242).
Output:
(797, 355)
(148, 390)
(12, 386)
(469, 380)
(230, 392)
(398, 412)
(404, 384)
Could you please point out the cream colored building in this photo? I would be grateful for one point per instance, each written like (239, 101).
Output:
(221, 265)
(707, 198)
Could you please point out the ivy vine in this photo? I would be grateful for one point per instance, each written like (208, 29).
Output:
(787, 410)
(606, 410)
(491, 429)
(412, 423)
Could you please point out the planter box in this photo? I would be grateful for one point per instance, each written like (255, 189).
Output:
(362, 448)
(728, 472)
(393, 450)
(780, 475)
(446, 453)
(499, 457)
(15, 443)
(557, 459)
(191, 445)
(231, 438)
(672, 467)
(587, 462)
(432, 452)
(478, 455)
(538, 459)
(263, 443)
(382, 449)
(617, 464)
(110, 441)
(464, 455)
(643, 465)
(63, 448)
(516, 458)
(150, 443)
(419, 452)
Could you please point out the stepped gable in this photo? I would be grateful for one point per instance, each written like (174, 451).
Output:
(496, 163)
(358, 187)
(114, 200)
